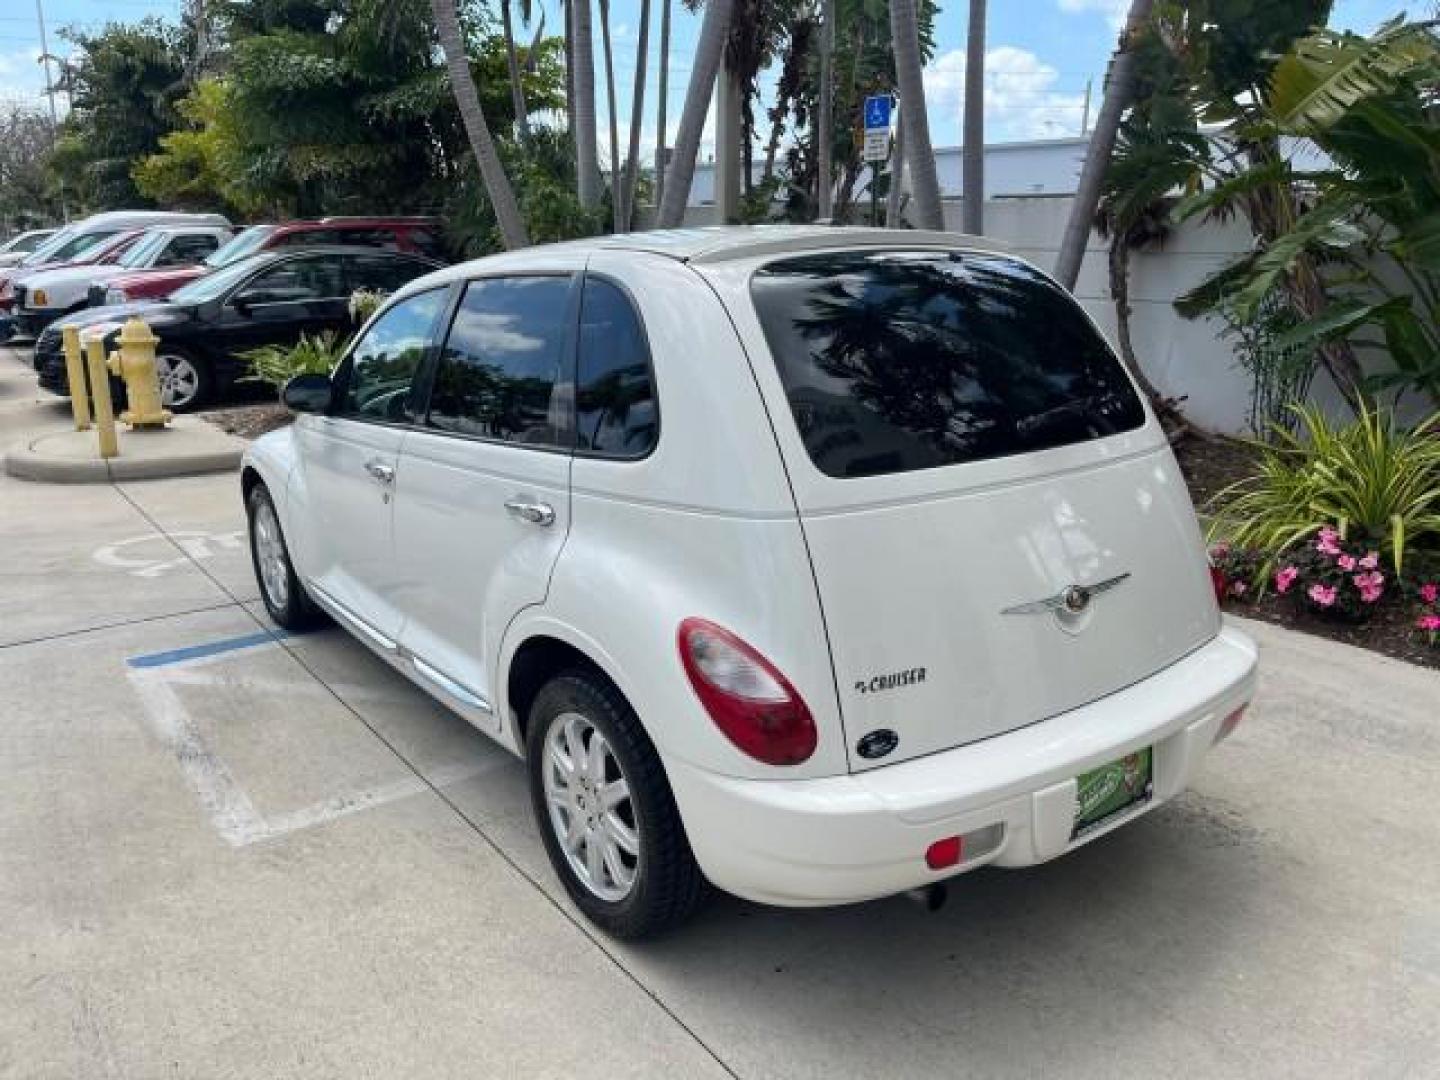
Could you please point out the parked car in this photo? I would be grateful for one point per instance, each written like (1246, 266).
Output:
(101, 252)
(418, 235)
(894, 576)
(266, 299)
(44, 296)
(21, 244)
(71, 243)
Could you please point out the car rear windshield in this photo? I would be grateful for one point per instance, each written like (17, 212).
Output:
(901, 360)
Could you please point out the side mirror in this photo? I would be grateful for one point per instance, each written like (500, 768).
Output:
(308, 394)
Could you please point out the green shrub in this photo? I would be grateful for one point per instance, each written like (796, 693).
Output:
(278, 364)
(364, 303)
(1373, 481)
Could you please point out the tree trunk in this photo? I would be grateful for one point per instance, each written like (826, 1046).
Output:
(708, 51)
(824, 115)
(615, 199)
(973, 163)
(1172, 420)
(517, 87)
(637, 117)
(905, 39)
(467, 99)
(571, 125)
(1118, 91)
(897, 174)
(663, 90)
(587, 156)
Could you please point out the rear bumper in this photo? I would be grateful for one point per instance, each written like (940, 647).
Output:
(849, 838)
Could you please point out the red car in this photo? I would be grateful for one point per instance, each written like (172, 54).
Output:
(103, 253)
(413, 235)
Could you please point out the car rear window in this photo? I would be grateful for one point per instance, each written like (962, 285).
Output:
(902, 360)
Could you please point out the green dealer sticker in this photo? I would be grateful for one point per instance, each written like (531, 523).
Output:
(1112, 789)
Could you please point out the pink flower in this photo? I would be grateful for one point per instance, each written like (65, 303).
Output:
(1429, 622)
(1371, 561)
(1237, 588)
(1328, 542)
(1324, 595)
(1220, 550)
(1371, 584)
(1346, 562)
(1284, 578)
(1430, 592)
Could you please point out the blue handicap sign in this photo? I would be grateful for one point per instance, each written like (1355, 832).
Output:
(877, 111)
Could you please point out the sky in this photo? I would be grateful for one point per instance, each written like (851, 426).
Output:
(1040, 55)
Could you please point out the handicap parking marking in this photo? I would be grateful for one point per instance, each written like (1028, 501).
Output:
(130, 554)
(157, 678)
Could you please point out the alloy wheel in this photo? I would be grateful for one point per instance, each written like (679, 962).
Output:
(270, 556)
(590, 807)
(179, 380)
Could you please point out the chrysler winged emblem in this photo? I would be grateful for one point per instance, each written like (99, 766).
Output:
(1072, 600)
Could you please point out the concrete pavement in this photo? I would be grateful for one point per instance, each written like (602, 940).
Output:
(228, 854)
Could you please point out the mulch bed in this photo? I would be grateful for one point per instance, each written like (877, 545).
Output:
(249, 421)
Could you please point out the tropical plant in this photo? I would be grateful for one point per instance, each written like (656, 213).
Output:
(662, 93)
(364, 303)
(462, 83)
(1334, 577)
(973, 141)
(637, 119)
(905, 38)
(1119, 92)
(708, 52)
(1370, 479)
(582, 93)
(276, 365)
(824, 113)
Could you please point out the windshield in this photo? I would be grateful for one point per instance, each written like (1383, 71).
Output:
(213, 286)
(68, 249)
(902, 360)
(145, 250)
(42, 253)
(239, 246)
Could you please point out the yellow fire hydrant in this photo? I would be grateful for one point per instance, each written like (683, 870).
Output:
(134, 362)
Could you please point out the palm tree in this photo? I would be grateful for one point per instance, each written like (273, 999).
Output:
(708, 51)
(637, 117)
(1118, 91)
(663, 90)
(973, 164)
(905, 39)
(824, 120)
(615, 208)
(587, 156)
(512, 59)
(467, 99)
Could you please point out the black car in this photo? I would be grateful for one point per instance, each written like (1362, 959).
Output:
(270, 298)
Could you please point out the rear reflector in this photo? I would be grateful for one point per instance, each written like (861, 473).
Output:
(1229, 724)
(943, 853)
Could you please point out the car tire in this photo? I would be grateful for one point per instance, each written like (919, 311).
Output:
(665, 884)
(280, 589)
(186, 382)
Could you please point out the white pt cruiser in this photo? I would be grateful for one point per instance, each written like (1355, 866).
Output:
(818, 564)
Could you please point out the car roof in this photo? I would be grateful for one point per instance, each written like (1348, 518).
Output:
(717, 244)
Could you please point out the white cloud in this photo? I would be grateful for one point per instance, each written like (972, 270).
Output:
(1021, 99)
(1113, 10)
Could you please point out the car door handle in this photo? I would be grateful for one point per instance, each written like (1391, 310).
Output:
(536, 513)
(380, 471)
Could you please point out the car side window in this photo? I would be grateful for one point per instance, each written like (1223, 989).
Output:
(184, 250)
(615, 409)
(378, 376)
(383, 273)
(497, 374)
(297, 280)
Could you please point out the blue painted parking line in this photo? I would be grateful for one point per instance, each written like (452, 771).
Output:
(192, 652)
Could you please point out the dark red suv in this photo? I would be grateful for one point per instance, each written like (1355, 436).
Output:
(413, 235)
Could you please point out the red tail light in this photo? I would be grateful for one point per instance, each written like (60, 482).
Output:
(746, 696)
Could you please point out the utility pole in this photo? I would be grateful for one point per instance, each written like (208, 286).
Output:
(972, 162)
(50, 93)
(1085, 110)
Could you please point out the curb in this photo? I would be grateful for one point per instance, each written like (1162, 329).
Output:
(29, 461)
